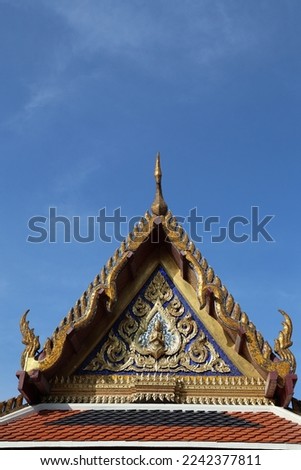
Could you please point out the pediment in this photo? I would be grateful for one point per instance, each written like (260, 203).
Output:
(158, 332)
(163, 347)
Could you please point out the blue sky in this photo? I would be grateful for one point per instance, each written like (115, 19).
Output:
(91, 90)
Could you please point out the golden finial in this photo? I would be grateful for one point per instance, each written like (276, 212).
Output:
(159, 206)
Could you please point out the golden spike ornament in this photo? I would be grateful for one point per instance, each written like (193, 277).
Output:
(29, 339)
(159, 206)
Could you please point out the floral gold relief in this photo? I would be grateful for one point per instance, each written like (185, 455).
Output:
(157, 334)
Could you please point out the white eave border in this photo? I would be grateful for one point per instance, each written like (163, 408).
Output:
(126, 445)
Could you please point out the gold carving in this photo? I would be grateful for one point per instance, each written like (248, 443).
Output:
(10, 405)
(128, 327)
(157, 338)
(159, 206)
(179, 238)
(164, 387)
(259, 350)
(77, 317)
(284, 342)
(141, 308)
(175, 307)
(29, 339)
(187, 327)
(158, 290)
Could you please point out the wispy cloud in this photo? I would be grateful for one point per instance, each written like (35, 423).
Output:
(147, 32)
(41, 97)
(167, 39)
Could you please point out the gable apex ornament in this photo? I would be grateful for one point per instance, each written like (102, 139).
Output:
(159, 206)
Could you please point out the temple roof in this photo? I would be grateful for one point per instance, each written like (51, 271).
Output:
(156, 326)
(158, 240)
(151, 426)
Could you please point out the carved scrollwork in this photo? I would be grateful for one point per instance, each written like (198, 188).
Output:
(115, 349)
(128, 327)
(199, 351)
(157, 335)
(187, 327)
(203, 354)
(114, 355)
(158, 290)
(141, 308)
(175, 307)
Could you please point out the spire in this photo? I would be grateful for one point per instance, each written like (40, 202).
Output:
(159, 206)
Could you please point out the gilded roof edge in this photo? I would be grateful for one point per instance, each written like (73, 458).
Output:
(12, 404)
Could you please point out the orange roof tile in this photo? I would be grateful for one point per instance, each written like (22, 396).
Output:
(142, 425)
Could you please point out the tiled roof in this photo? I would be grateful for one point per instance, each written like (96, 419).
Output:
(130, 425)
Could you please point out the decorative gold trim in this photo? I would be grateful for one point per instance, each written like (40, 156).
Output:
(179, 238)
(157, 396)
(11, 405)
(78, 317)
(29, 339)
(205, 381)
(260, 350)
(167, 388)
(284, 341)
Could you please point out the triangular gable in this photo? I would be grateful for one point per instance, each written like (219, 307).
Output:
(158, 333)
